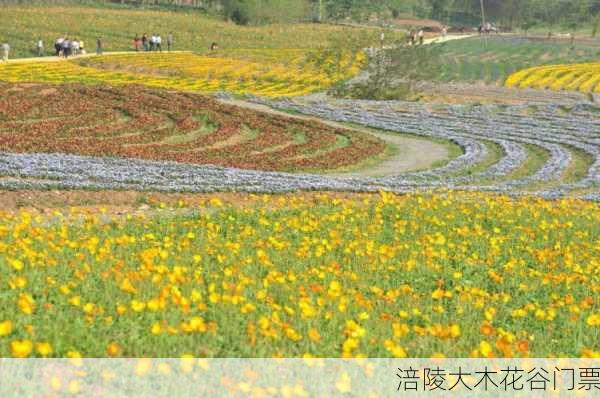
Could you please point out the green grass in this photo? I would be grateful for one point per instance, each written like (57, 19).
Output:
(536, 158)
(494, 154)
(579, 167)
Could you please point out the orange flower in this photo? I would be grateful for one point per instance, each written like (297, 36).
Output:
(486, 329)
(523, 346)
(114, 349)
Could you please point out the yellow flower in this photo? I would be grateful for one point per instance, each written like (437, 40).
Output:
(26, 304)
(350, 344)
(73, 354)
(21, 348)
(344, 383)
(55, 383)
(137, 306)
(127, 286)
(485, 349)
(248, 307)
(43, 348)
(292, 334)
(455, 331)
(156, 328)
(143, 366)
(16, 264)
(6, 328)
(74, 386)
(335, 289)
(396, 350)
(593, 320)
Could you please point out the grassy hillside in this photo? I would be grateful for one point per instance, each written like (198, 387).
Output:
(492, 61)
(474, 60)
(193, 30)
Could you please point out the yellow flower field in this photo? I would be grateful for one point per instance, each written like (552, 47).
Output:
(575, 77)
(271, 73)
(420, 275)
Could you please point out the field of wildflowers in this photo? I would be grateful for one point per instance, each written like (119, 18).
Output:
(272, 73)
(453, 275)
(578, 77)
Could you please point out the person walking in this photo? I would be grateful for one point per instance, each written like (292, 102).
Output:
(99, 45)
(145, 41)
(75, 47)
(65, 47)
(158, 43)
(136, 43)
(153, 42)
(169, 41)
(40, 47)
(5, 51)
(58, 46)
(421, 36)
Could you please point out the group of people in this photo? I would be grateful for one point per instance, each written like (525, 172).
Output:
(414, 36)
(152, 43)
(64, 47)
(486, 29)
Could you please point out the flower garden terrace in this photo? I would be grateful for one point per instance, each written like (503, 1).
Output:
(546, 150)
(136, 122)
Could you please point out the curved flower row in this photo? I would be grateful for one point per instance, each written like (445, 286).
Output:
(136, 122)
(550, 128)
(578, 77)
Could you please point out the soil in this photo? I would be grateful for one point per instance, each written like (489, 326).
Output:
(115, 203)
(425, 23)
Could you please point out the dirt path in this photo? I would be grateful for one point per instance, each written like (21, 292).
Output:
(52, 58)
(447, 38)
(411, 154)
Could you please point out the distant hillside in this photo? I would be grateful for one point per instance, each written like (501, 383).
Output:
(192, 30)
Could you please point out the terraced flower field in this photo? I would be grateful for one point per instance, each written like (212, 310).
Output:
(546, 150)
(580, 77)
(566, 137)
(139, 123)
(272, 73)
(453, 275)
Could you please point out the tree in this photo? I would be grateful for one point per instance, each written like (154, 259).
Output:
(438, 9)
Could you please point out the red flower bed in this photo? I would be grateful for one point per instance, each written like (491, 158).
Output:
(138, 122)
